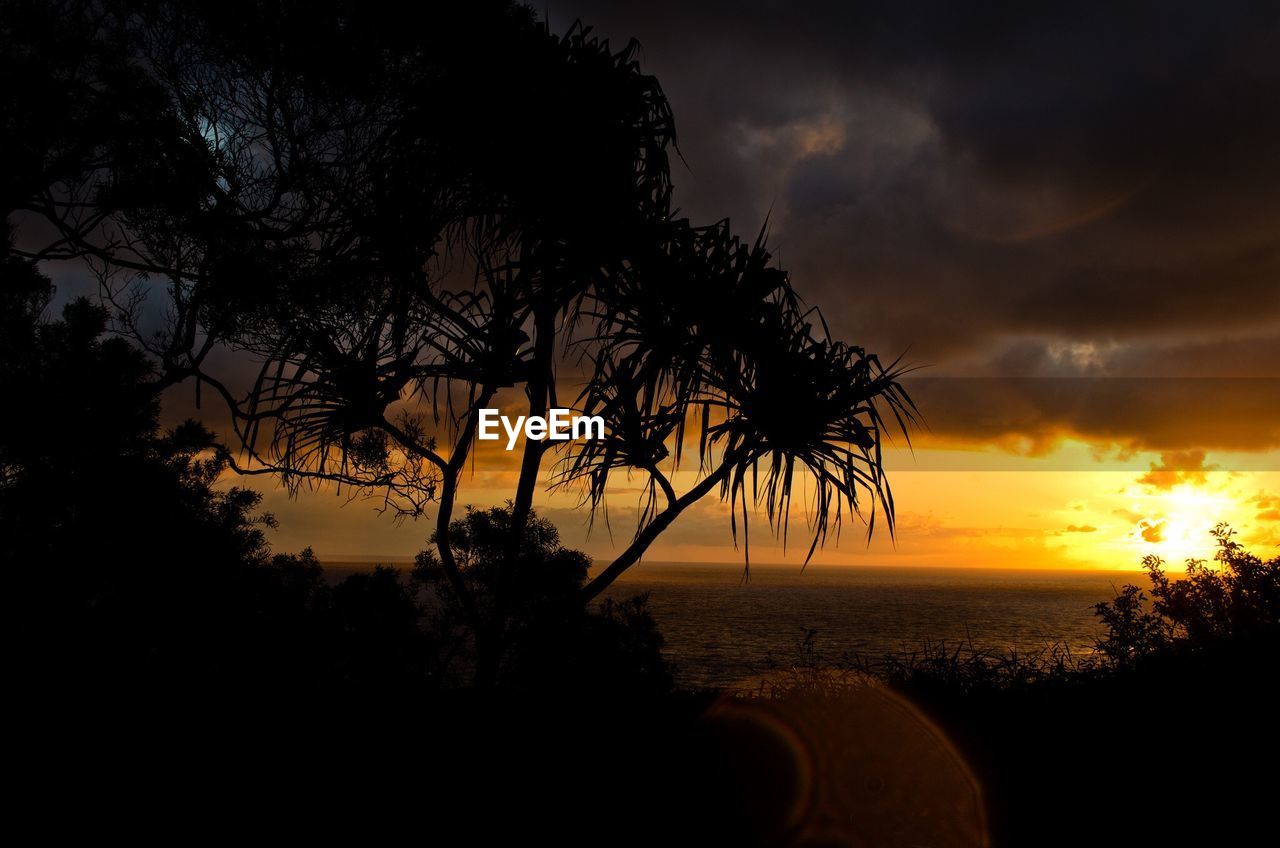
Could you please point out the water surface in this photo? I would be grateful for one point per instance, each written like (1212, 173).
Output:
(720, 630)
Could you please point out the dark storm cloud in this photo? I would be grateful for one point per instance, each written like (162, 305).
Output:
(1180, 418)
(1048, 188)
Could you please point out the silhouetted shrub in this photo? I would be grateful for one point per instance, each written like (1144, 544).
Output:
(550, 640)
(381, 641)
(1237, 601)
(136, 569)
(1133, 629)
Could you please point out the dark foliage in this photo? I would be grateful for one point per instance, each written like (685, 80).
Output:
(1236, 600)
(552, 643)
(137, 570)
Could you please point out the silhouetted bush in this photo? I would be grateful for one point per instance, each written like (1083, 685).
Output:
(1239, 600)
(550, 640)
(136, 569)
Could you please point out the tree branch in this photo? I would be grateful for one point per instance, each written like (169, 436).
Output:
(448, 495)
(652, 530)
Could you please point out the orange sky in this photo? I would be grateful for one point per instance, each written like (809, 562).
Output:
(964, 506)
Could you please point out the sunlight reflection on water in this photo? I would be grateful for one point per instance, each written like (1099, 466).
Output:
(720, 631)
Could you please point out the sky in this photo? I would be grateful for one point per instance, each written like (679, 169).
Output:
(1065, 216)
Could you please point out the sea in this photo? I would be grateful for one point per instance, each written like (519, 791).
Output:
(726, 631)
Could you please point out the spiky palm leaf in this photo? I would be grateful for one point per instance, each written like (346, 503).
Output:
(708, 328)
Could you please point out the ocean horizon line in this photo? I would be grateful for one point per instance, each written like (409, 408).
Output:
(349, 561)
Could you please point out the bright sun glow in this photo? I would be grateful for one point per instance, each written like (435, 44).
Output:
(1178, 522)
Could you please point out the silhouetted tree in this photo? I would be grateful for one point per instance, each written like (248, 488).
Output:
(405, 216)
(1239, 600)
(91, 440)
(551, 642)
(115, 522)
(132, 570)
(1133, 629)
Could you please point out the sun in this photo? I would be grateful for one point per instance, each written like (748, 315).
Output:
(1178, 522)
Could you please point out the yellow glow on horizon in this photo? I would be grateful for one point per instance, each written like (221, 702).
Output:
(1181, 521)
(1071, 508)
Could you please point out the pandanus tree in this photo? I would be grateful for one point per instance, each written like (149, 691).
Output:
(403, 221)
